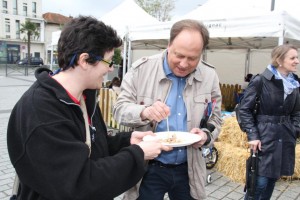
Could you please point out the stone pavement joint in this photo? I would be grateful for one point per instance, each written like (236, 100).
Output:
(12, 88)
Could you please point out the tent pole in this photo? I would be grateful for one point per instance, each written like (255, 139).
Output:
(247, 62)
(280, 40)
(129, 54)
(51, 57)
(125, 52)
(272, 5)
(124, 56)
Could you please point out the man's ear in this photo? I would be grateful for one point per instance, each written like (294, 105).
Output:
(82, 60)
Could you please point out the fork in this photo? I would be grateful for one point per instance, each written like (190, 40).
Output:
(168, 124)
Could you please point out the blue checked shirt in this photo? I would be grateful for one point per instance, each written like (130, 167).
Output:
(177, 118)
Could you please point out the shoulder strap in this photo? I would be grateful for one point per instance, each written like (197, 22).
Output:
(260, 85)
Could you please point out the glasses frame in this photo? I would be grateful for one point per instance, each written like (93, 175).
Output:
(101, 59)
(110, 64)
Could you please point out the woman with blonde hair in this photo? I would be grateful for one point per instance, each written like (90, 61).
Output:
(273, 130)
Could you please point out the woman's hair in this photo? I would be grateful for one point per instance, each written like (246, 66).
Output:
(85, 35)
(115, 82)
(279, 53)
(189, 24)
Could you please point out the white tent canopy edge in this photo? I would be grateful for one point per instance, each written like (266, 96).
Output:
(251, 33)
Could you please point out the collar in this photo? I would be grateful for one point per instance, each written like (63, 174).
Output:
(268, 74)
(43, 78)
(166, 66)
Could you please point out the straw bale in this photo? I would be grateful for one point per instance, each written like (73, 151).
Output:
(232, 161)
(297, 164)
(232, 134)
(233, 152)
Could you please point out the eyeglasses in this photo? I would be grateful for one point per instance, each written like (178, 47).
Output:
(110, 64)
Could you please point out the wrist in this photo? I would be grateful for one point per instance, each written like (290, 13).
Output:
(143, 114)
(208, 134)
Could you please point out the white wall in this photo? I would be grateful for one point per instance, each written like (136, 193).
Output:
(259, 59)
(229, 64)
(137, 54)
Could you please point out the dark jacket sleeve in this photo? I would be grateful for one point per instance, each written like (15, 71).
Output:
(116, 142)
(119, 141)
(246, 109)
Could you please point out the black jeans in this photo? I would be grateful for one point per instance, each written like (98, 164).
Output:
(160, 180)
(264, 188)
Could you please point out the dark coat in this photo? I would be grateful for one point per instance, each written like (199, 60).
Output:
(276, 124)
(46, 145)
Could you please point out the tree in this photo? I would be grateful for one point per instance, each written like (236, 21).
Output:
(31, 30)
(117, 58)
(158, 8)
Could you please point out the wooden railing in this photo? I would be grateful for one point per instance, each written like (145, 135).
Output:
(107, 99)
(230, 95)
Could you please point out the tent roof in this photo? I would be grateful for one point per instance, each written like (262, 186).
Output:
(256, 31)
(218, 9)
(127, 14)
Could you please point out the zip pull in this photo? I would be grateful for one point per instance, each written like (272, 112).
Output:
(93, 133)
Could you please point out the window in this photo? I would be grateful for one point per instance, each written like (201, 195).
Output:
(25, 9)
(7, 25)
(34, 7)
(4, 4)
(15, 7)
(18, 29)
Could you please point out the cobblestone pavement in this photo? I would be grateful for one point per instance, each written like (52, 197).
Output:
(12, 87)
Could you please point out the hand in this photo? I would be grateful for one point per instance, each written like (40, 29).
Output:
(255, 145)
(157, 112)
(203, 135)
(137, 136)
(153, 148)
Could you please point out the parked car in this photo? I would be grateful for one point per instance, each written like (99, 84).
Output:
(34, 61)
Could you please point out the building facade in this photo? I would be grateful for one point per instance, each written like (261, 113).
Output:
(14, 13)
(54, 22)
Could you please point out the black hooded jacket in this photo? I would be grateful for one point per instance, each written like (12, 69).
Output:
(46, 145)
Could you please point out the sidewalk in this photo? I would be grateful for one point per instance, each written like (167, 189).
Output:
(221, 187)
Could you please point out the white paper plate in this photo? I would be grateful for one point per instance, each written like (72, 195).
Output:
(182, 138)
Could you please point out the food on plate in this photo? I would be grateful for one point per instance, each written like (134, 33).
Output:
(172, 138)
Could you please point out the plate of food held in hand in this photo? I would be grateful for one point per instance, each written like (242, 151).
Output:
(174, 138)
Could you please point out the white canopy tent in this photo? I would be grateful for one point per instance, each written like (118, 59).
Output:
(243, 37)
(127, 14)
(121, 18)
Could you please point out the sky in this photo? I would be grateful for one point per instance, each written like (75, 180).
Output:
(98, 8)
